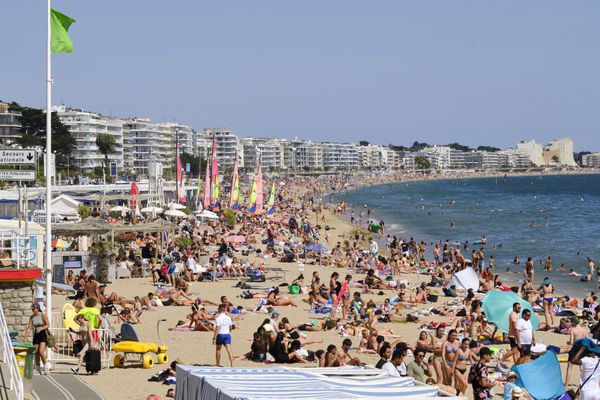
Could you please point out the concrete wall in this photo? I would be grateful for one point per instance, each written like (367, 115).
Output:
(17, 298)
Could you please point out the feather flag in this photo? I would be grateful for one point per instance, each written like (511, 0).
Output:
(180, 194)
(271, 204)
(216, 192)
(214, 170)
(235, 190)
(206, 200)
(252, 202)
(259, 189)
(198, 191)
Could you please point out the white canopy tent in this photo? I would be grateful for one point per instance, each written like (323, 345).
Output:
(465, 279)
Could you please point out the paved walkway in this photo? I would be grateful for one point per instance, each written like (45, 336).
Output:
(62, 386)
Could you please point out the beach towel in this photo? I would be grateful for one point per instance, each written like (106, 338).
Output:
(541, 377)
(465, 279)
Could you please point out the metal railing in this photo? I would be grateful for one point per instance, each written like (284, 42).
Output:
(9, 358)
(62, 352)
(19, 249)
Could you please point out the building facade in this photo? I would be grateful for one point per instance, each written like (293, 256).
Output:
(559, 152)
(591, 160)
(10, 124)
(145, 141)
(85, 127)
(534, 151)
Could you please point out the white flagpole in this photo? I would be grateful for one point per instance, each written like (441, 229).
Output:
(48, 270)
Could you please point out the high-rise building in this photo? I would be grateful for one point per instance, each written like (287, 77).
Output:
(339, 156)
(227, 144)
(559, 152)
(85, 127)
(270, 151)
(534, 151)
(144, 141)
(591, 160)
(10, 125)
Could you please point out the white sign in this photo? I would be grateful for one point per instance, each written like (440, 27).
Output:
(17, 156)
(16, 175)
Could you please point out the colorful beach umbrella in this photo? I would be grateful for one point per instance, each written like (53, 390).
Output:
(498, 305)
(60, 243)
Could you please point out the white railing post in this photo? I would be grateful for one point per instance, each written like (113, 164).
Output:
(10, 359)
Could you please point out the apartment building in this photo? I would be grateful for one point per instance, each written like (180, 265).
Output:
(559, 152)
(591, 160)
(228, 146)
(270, 151)
(85, 127)
(10, 125)
(339, 156)
(145, 141)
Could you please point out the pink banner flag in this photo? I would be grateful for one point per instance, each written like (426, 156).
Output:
(259, 189)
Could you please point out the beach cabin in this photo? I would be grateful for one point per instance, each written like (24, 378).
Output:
(22, 244)
(64, 209)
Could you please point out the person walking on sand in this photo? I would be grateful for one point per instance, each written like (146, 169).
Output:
(87, 340)
(38, 322)
(512, 333)
(222, 335)
(548, 299)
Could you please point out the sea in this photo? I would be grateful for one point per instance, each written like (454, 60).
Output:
(524, 216)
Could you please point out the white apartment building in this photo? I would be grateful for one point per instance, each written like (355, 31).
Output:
(591, 160)
(10, 125)
(534, 151)
(85, 127)
(187, 137)
(228, 146)
(144, 141)
(372, 156)
(513, 158)
(307, 155)
(270, 151)
(442, 157)
(559, 152)
(339, 156)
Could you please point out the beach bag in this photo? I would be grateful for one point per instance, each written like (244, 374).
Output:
(432, 298)
(50, 339)
(294, 289)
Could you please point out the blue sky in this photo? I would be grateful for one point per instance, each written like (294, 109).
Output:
(387, 71)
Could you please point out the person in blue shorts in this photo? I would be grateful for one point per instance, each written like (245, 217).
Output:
(222, 336)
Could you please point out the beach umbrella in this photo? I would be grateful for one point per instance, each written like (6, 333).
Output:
(60, 243)
(542, 377)
(120, 209)
(497, 306)
(236, 239)
(316, 247)
(171, 212)
(208, 214)
(176, 206)
(152, 210)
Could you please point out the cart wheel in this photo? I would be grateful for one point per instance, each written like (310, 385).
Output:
(163, 358)
(147, 361)
(119, 361)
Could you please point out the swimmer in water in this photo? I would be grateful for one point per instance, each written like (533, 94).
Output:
(573, 273)
(516, 260)
(451, 224)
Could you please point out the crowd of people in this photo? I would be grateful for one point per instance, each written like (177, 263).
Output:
(362, 287)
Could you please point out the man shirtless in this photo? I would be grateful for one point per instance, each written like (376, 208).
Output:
(579, 331)
(344, 357)
(512, 333)
(91, 288)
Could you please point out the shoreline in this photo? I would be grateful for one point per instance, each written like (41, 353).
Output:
(515, 277)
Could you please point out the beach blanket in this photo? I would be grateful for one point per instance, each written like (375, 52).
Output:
(541, 377)
(465, 279)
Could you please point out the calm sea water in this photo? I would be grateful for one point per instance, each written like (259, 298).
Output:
(557, 215)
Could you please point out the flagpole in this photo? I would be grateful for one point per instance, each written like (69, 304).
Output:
(48, 270)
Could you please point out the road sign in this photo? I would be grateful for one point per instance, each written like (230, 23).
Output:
(17, 156)
(16, 175)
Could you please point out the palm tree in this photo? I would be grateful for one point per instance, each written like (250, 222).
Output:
(106, 145)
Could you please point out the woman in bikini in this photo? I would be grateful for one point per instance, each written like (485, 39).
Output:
(548, 295)
(449, 350)
(462, 360)
(275, 299)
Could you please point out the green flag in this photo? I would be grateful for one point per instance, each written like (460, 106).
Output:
(59, 25)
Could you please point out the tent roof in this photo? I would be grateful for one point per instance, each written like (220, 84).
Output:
(97, 226)
(13, 225)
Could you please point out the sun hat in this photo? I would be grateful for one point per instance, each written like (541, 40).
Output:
(517, 392)
(512, 374)
(268, 327)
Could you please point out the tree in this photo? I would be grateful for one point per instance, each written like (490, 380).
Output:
(459, 147)
(197, 163)
(33, 133)
(555, 159)
(490, 149)
(363, 143)
(422, 162)
(106, 146)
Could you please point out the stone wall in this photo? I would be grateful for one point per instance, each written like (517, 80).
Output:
(16, 298)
